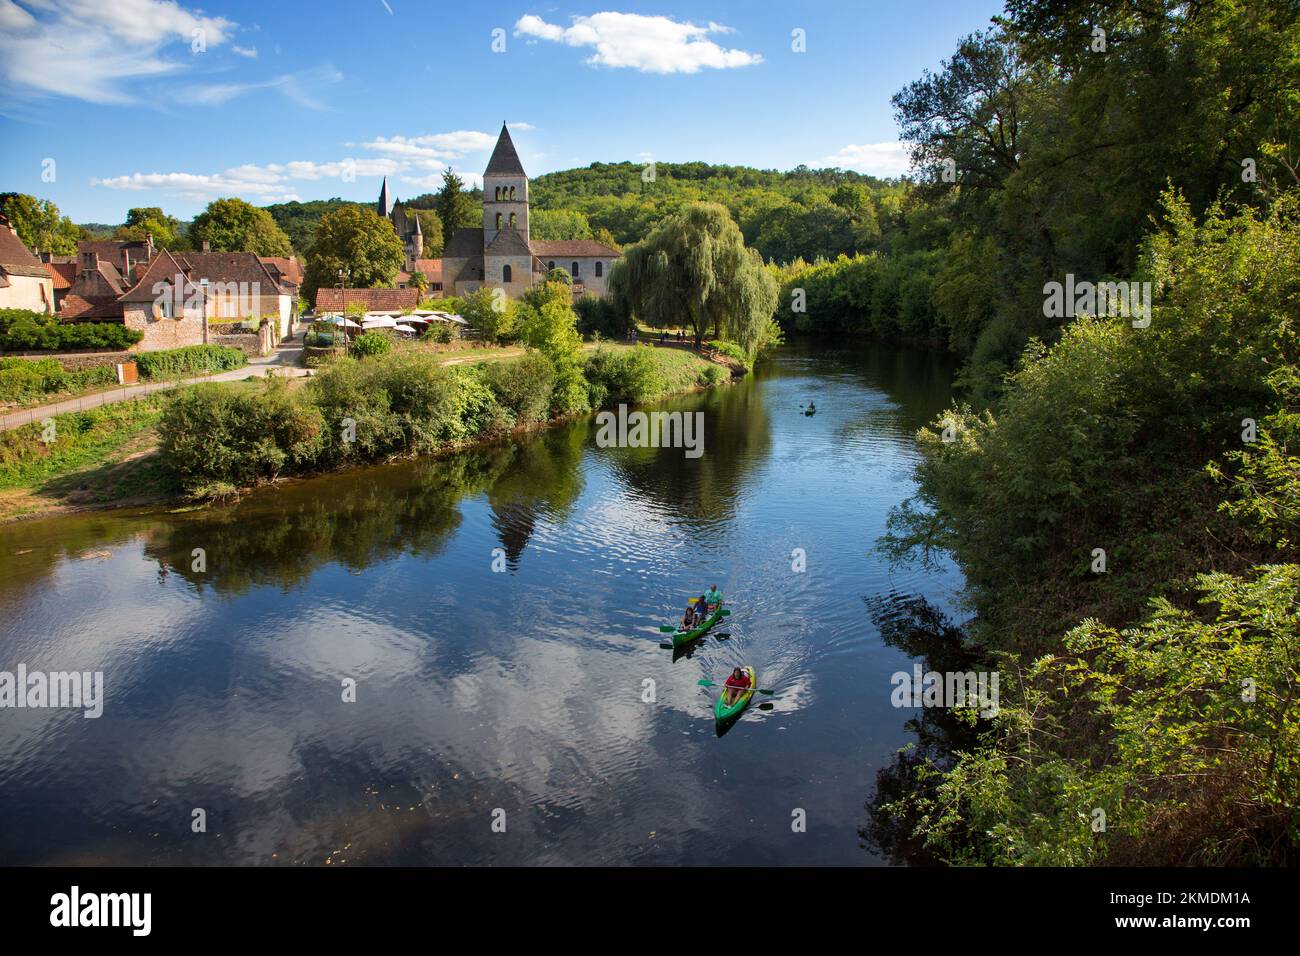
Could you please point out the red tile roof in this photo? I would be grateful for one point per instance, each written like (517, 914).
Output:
(63, 273)
(432, 269)
(373, 300)
(15, 258)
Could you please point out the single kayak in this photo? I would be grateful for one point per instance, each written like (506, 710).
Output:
(723, 712)
(682, 637)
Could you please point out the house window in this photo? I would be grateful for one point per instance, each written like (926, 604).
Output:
(600, 269)
(551, 264)
(505, 273)
(574, 272)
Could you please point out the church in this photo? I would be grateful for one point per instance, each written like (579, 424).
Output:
(502, 255)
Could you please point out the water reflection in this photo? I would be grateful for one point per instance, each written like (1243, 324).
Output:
(523, 690)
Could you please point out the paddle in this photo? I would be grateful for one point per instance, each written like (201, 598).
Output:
(760, 690)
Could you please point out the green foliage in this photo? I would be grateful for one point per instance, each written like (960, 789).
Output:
(39, 224)
(456, 207)
(491, 314)
(358, 241)
(25, 331)
(218, 438)
(1128, 439)
(145, 221)
(233, 225)
(523, 387)
(601, 315)
(24, 380)
(558, 224)
(300, 220)
(694, 269)
(189, 360)
(622, 375)
(371, 343)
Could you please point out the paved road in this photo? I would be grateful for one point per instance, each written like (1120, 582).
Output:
(281, 362)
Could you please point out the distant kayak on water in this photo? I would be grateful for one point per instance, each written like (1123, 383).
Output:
(685, 635)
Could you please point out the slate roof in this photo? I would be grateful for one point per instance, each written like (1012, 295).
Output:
(229, 267)
(463, 244)
(504, 161)
(507, 242)
(163, 268)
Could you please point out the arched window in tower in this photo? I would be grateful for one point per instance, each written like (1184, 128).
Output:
(574, 271)
(512, 193)
(498, 194)
(505, 273)
(599, 269)
(512, 220)
(498, 220)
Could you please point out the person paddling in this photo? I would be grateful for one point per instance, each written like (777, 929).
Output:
(736, 685)
(713, 597)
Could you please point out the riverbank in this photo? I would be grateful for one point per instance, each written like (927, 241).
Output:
(111, 457)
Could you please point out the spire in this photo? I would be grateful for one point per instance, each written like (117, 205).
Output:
(385, 204)
(418, 231)
(504, 161)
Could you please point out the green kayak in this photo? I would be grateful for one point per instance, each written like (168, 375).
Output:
(683, 637)
(723, 712)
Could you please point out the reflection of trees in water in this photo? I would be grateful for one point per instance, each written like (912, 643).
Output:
(357, 518)
(543, 477)
(918, 629)
(737, 436)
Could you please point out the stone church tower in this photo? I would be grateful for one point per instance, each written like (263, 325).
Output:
(503, 255)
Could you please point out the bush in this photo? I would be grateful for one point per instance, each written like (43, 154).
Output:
(216, 437)
(25, 331)
(622, 375)
(731, 350)
(189, 360)
(601, 316)
(442, 332)
(523, 386)
(372, 343)
(23, 380)
(714, 374)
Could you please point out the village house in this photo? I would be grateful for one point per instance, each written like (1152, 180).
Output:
(25, 283)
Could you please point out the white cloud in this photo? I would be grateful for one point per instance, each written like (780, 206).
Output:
(250, 52)
(650, 44)
(875, 159)
(437, 147)
(305, 88)
(88, 49)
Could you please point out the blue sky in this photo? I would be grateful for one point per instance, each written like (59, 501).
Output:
(171, 103)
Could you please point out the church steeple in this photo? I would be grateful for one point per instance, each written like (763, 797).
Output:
(504, 161)
(385, 202)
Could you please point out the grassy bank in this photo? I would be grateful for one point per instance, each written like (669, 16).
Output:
(408, 402)
(104, 455)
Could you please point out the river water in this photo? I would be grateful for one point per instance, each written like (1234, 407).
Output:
(521, 716)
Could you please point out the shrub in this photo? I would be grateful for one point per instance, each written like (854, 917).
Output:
(25, 331)
(217, 437)
(713, 374)
(372, 343)
(523, 386)
(601, 316)
(23, 380)
(442, 332)
(189, 360)
(480, 412)
(622, 375)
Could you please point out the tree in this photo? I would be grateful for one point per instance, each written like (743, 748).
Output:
(695, 268)
(143, 222)
(232, 225)
(455, 207)
(558, 224)
(431, 227)
(39, 225)
(489, 313)
(359, 241)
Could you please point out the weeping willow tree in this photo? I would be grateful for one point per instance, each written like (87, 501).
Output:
(693, 270)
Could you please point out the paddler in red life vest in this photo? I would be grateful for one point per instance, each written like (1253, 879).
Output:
(735, 686)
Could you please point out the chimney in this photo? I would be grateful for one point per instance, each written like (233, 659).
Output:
(206, 246)
(90, 262)
(148, 246)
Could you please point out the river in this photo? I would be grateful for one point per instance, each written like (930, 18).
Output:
(520, 716)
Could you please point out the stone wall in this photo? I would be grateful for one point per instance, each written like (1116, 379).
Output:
(161, 332)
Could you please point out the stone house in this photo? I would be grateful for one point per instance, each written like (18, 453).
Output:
(25, 283)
